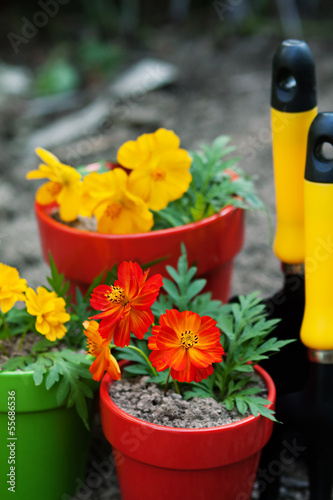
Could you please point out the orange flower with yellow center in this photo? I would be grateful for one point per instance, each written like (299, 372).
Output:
(117, 210)
(126, 305)
(12, 287)
(160, 168)
(64, 187)
(186, 343)
(99, 347)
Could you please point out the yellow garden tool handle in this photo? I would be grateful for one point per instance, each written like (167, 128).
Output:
(293, 107)
(317, 327)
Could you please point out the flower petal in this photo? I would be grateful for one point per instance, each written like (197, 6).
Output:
(156, 359)
(47, 157)
(48, 192)
(148, 292)
(166, 139)
(140, 322)
(122, 332)
(133, 154)
(176, 358)
(129, 276)
(69, 201)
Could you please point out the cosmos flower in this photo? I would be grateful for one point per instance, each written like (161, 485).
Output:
(50, 312)
(117, 210)
(12, 287)
(64, 186)
(186, 343)
(125, 306)
(159, 167)
(98, 347)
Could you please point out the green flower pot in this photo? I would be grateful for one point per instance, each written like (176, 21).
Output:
(43, 446)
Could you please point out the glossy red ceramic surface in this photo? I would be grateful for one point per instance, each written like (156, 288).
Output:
(157, 462)
(211, 243)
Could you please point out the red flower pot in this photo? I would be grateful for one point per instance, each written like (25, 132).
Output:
(158, 462)
(211, 243)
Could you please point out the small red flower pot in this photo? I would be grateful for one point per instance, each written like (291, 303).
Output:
(158, 462)
(211, 244)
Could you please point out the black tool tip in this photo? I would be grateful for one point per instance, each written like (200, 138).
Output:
(293, 78)
(319, 162)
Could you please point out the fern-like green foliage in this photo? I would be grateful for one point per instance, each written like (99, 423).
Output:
(183, 291)
(245, 339)
(67, 369)
(212, 188)
(245, 329)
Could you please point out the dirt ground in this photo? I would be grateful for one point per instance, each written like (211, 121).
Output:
(222, 88)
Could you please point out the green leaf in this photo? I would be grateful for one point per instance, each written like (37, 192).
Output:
(40, 368)
(63, 390)
(42, 345)
(138, 369)
(171, 290)
(197, 392)
(17, 363)
(52, 377)
(173, 273)
(241, 405)
(195, 287)
(57, 281)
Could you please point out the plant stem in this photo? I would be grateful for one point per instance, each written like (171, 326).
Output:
(5, 326)
(3, 350)
(175, 383)
(167, 383)
(22, 339)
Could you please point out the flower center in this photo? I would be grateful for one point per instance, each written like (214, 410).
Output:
(117, 296)
(188, 339)
(158, 174)
(54, 188)
(113, 210)
(92, 348)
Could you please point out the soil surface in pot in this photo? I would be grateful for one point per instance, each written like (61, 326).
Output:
(13, 347)
(84, 223)
(147, 401)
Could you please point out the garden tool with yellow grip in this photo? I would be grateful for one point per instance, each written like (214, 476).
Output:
(310, 411)
(293, 108)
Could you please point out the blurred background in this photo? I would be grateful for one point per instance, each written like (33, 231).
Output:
(79, 78)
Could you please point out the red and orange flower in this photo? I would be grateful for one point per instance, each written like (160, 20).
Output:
(186, 343)
(99, 347)
(125, 306)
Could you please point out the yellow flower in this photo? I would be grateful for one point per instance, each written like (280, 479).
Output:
(96, 188)
(160, 169)
(117, 210)
(12, 287)
(50, 311)
(64, 187)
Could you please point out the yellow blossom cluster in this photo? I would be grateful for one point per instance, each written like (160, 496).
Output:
(49, 309)
(120, 201)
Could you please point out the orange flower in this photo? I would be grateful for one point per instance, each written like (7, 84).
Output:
(99, 347)
(126, 305)
(186, 343)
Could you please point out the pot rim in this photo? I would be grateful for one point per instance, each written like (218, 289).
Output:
(106, 399)
(43, 213)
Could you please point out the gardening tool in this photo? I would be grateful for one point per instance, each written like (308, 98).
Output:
(311, 409)
(293, 107)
